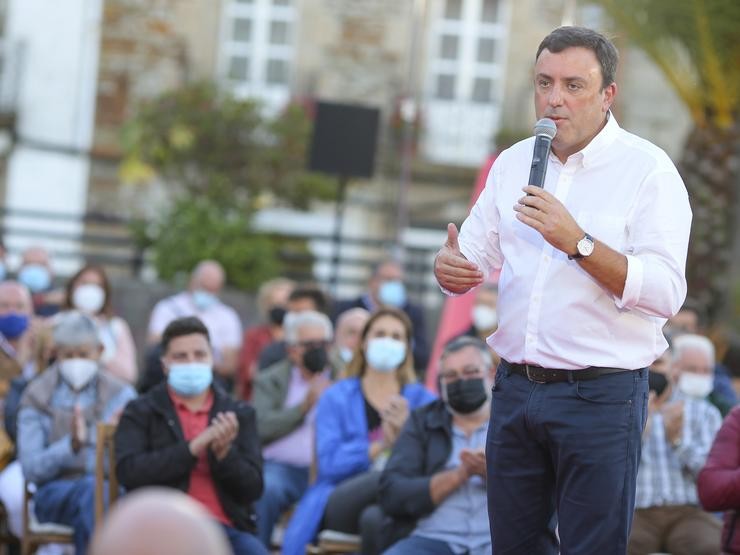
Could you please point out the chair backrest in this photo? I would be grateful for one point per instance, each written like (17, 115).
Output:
(105, 445)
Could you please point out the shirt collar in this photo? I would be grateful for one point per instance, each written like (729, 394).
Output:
(601, 142)
(181, 406)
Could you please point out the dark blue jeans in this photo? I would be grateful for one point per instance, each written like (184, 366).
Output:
(244, 543)
(285, 484)
(569, 449)
(69, 502)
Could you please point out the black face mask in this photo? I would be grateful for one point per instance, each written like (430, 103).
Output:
(277, 315)
(657, 382)
(315, 359)
(467, 395)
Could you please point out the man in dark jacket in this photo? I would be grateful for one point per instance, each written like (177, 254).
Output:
(189, 435)
(386, 288)
(434, 482)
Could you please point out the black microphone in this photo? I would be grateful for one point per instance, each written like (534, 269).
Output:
(544, 131)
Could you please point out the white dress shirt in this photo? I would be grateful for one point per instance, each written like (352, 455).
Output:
(623, 191)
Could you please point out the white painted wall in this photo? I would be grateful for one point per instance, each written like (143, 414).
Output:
(49, 167)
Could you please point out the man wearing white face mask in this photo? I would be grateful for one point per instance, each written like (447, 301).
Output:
(681, 427)
(56, 425)
(386, 289)
(188, 434)
(202, 300)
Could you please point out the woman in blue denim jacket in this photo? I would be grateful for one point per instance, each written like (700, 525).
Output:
(357, 422)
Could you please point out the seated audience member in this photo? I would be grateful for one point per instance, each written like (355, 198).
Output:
(434, 482)
(680, 429)
(285, 397)
(56, 425)
(347, 337)
(16, 335)
(272, 299)
(159, 521)
(89, 291)
(36, 273)
(189, 435)
(202, 300)
(718, 484)
(303, 297)
(357, 422)
(386, 289)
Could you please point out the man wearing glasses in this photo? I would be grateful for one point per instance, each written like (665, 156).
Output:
(285, 396)
(434, 485)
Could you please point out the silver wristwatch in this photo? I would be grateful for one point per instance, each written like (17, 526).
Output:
(584, 248)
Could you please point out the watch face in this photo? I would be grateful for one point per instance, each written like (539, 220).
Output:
(585, 246)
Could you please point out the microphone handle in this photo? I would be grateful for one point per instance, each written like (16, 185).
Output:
(539, 161)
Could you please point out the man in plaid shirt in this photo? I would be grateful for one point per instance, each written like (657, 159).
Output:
(681, 426)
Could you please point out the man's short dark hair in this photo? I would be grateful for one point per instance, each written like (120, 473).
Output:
(571, 37)
(313, 293)
(183, 326)
(463, 341)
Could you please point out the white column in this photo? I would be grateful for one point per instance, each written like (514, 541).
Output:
(48, 169)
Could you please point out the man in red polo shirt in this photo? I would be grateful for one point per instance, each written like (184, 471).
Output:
(189, 435)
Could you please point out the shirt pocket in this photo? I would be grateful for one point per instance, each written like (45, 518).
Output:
(608, 228)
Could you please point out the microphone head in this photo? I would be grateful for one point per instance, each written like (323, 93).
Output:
(546, 127)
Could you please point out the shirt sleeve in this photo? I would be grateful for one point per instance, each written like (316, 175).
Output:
(161, 316)
(658, 238)
(479, 237)
(232, 330)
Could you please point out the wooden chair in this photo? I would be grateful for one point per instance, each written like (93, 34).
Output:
(36, 534)
(105, 445)
(332, 542)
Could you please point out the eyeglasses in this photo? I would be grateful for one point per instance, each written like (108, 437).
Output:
(321, 344)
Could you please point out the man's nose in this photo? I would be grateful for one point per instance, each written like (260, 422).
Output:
(556, 97)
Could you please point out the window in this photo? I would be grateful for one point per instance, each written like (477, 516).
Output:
(489, 12)
(486, 50)
(482, 90)
(277, 72)
(453, 9)
(448, 47)
(239, 68)
(445, 87)
(242, 30)
(279, 32)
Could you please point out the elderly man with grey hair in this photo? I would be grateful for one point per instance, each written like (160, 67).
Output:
(285, 396)
(679, 433)
(56, 425)
(202, 299)
(434, 485)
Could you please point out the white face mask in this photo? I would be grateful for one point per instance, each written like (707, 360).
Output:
(695, 385)
(484, 317)
(78, 372)
(89, 298)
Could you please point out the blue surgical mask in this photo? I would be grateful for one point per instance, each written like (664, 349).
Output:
(190, 378)
(13, 325)
(36, 277)
(203, 300)
(345, 353)
(385, 354)
(392, 293)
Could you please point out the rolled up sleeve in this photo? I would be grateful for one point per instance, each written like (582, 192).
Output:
(658, 242)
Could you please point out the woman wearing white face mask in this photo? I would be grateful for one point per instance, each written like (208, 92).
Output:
(89, 291)
(357, 421)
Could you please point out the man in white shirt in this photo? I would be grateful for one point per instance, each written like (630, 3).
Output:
(201, 300)
(591, 265)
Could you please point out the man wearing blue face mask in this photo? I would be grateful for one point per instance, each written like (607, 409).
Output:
(386, 288)
(56, 425)
(36, 273)
(202, 300)
(16, 310)
(190, 435)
